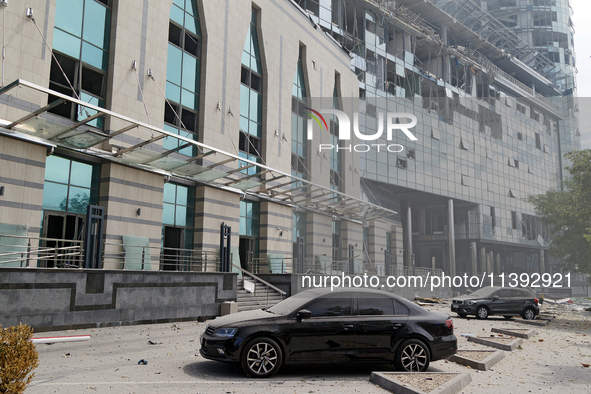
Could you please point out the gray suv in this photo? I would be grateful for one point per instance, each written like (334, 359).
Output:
(503, 301)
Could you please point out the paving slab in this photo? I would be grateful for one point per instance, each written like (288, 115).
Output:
(388, 381)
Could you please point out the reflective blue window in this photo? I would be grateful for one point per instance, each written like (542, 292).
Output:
(81, 47)
(299, 134)
(249, 218)
(251, 99)
(183, 74)
(70, 186)
(177, 208)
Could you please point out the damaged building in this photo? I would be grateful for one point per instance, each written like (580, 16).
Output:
(182, 136)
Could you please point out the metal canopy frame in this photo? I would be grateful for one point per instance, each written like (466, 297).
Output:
(268, 183)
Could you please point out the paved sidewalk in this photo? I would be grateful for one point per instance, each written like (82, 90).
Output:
(109, 363)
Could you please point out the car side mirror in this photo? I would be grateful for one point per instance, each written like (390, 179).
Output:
(496, 297)
(303, 314)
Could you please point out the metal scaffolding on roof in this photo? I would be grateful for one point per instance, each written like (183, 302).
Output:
(472, 16)
(268, 183)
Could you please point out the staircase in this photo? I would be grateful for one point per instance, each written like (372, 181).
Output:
(262, 297)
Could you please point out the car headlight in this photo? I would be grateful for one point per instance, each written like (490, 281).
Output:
(225, 332)
(470, 302)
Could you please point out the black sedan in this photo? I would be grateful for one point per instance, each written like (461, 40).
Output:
(323, 326)
(497, 301)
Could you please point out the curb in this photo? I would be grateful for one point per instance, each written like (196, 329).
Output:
(540, 323)
(387, 380)
(525, 333)
(503, 346)
(484, 365)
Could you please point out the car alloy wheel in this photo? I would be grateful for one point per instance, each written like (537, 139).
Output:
(529, 314)
(413, 356)
(482, 312)
(261, 357)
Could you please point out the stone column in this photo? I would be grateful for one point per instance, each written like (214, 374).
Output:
(408, 262)
(474, 258)
(498, 263)
(482, 265)
(451, 238)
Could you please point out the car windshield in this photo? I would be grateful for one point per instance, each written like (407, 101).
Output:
(483, 292)
(292, 303)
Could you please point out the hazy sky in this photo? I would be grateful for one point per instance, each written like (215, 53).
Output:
(582, 9)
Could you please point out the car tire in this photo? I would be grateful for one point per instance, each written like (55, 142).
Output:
(481, 312)
(412, 356)
(528, 314)
(261, 357)
(462, 315)
(508, 317)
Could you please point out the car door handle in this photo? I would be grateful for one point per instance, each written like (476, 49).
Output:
(348, 326)
(396, 325)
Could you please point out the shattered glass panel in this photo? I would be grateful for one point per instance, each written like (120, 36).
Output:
(168, 163)
(210, 175)
(139, 156)
(244, 185)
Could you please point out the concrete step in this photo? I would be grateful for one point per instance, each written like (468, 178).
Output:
(263, 297)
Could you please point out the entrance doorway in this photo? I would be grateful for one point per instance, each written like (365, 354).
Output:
(172, 242)
(299, 254)
(63, 229)
(247, 249)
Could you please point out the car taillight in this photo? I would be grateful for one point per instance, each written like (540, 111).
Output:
(536, 300)
(449, 323)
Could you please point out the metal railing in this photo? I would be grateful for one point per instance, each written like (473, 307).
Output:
(270, 265)
(23, 251)
(264, 282)
(142, 257)
(491, 66)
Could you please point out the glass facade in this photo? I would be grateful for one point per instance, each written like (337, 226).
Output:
(81, 46)
(548, 27)
(299, 133)
(70, 186)
(251, 98)
(183, 75)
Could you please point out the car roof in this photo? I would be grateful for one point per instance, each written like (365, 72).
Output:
(337, 290)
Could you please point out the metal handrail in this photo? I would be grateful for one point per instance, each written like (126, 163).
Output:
(491, 66)
(281, 292)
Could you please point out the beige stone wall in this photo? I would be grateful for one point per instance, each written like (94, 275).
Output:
(141, 34)
(122, 191)
(22, 172)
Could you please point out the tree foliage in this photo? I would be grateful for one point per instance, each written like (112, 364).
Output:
(18, 358)
(568, 215)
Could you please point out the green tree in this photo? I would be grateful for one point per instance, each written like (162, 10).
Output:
(568, 215)
(77, 204)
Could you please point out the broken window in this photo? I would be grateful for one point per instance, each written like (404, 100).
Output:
(81, 49)
(183, 69)
(251, 99)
